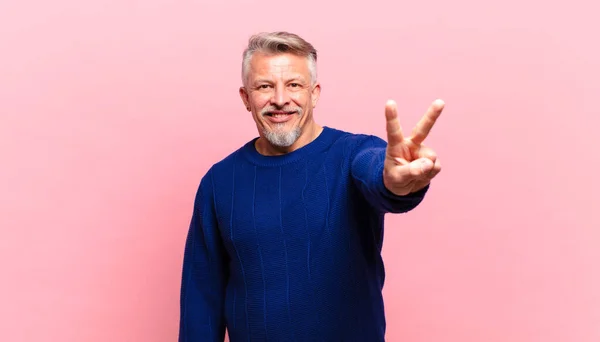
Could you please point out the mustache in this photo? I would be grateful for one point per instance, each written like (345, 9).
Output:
(289, 109)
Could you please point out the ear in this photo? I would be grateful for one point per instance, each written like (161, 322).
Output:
(244, 96)
(315, 94)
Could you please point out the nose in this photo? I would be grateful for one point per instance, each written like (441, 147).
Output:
(280, 97)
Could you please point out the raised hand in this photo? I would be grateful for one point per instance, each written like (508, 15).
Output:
(410, 165)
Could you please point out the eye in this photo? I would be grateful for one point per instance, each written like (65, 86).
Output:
(264, 86)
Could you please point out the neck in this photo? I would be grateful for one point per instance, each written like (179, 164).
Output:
(309, 134)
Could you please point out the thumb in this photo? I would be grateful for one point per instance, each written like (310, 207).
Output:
(403, 171)
(420, 167)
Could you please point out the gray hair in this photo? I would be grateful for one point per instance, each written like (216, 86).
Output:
(279, 42)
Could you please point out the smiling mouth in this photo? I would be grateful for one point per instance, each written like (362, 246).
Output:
(279, 114)
(279, 117)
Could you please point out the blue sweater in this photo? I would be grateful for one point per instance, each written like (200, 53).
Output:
(288, 248)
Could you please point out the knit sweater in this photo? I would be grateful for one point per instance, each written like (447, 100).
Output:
(288, 248)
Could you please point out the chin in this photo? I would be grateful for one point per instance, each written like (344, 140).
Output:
(282, 138)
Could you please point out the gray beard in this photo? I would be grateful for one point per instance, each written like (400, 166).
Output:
(278, 136)
(282, 139)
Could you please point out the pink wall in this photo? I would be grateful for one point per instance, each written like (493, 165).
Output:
(111, 111)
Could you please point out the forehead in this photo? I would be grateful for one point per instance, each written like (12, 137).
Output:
(263, 65)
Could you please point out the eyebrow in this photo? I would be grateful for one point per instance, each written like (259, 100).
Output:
(291, 79)
(262, 80)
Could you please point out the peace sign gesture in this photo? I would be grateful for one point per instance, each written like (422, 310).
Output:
(409, 165)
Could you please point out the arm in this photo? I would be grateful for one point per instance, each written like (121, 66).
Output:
(395, 176)
(367, 172)
(204, 273)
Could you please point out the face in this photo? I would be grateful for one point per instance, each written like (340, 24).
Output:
(281, 97)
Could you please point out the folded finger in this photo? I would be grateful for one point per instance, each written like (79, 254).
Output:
(416, 169)
(426, 152)
(437, 168)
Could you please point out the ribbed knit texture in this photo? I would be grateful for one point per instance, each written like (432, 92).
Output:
(288, 248)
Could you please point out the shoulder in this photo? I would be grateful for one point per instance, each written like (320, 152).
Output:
(222, 167)
(228, 162)
(357, 141)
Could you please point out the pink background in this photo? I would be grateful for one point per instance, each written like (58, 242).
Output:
(111, 111)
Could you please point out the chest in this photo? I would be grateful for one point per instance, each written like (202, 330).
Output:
(265, 206)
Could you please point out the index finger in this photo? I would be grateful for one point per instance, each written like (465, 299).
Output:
(393, 128)
(424, 125)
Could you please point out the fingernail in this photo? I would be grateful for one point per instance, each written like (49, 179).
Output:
(426, 165)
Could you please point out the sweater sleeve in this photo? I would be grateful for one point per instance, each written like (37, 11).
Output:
(367, 171)
(204, 273)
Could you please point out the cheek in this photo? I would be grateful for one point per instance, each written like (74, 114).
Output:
(301, 100)
(258, 100)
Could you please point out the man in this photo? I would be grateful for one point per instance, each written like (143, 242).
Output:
(285, 237)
